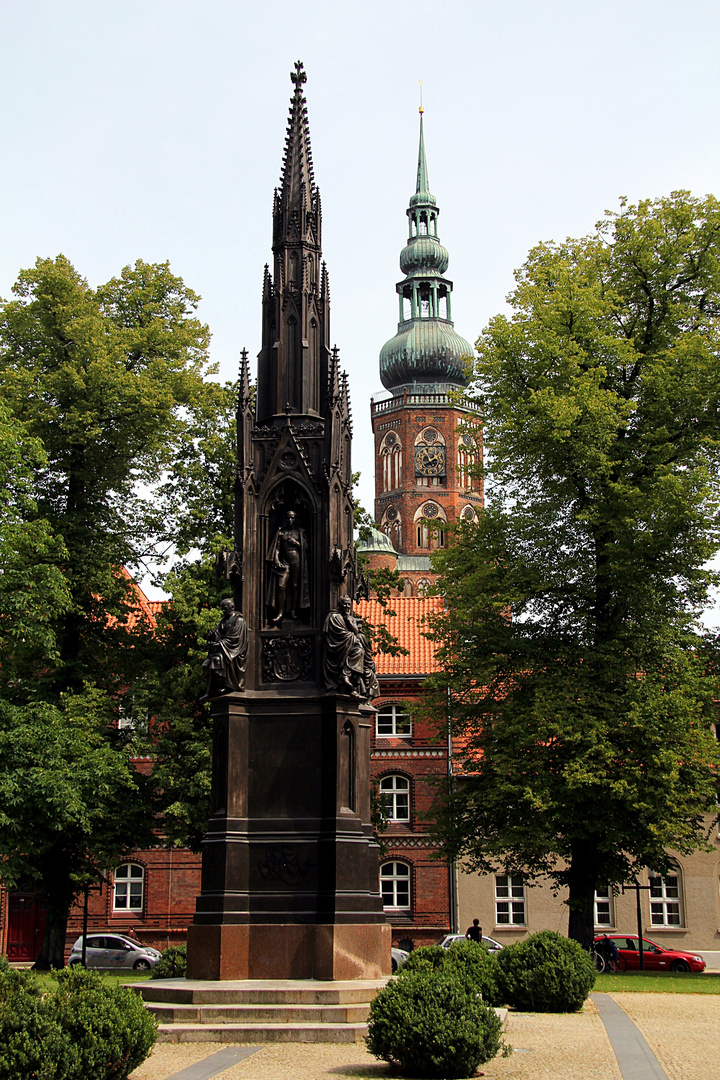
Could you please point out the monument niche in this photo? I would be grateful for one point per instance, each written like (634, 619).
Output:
(289, 863)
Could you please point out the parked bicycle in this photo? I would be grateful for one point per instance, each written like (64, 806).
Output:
(606, 957)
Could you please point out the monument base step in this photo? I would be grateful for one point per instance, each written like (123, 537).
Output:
(261, 1010)
(262, 1033)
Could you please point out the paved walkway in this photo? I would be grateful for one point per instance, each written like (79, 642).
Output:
(681, 1033)
(634, 1056)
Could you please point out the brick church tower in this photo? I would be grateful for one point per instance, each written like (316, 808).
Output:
(426, 435)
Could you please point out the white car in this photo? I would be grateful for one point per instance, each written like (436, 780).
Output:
(451, 939)
(113, 952)
(399, 956)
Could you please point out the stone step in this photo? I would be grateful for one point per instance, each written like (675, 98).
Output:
(262, 1033)
(258, 992)
(259, 1014)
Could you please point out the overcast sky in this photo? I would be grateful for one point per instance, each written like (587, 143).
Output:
(154, 129)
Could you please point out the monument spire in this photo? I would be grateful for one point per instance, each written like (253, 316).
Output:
(293, 361)
(297, 182)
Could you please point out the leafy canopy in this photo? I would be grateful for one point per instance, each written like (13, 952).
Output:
(570, 647)
(103, 404)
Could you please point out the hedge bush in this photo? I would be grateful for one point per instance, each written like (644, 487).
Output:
(468, 961)
(87, 1028)
(172, 963)
(430, 1024)
(545, 973)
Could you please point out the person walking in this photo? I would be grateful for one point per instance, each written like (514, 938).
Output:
(474, 932)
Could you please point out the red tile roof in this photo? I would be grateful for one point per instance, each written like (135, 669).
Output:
(143, 611)
(409, 627)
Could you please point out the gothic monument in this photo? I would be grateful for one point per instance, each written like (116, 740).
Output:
(289, 864)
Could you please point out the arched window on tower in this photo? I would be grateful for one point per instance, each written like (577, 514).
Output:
(391, 525)
(442, 302)
(391, 457)
(429, 519)
(423, 224)
(413, 226)
(467, 457)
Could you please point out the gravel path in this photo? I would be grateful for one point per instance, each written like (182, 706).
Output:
(682, 1030)
(561, 1047)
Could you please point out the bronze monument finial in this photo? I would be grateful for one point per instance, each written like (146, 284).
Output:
(298, 76)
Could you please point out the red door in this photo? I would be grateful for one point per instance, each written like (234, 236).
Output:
(26, 926)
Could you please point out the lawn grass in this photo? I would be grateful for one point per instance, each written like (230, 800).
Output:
(111, 978)
(651, 982)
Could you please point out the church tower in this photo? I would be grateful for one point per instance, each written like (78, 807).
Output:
(426, 437)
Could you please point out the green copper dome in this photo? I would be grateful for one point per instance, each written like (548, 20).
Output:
(424, 254)
(425, 351)
(426, 348)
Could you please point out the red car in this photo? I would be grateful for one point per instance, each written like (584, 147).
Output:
(655, 957)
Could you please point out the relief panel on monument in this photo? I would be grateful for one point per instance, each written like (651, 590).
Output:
(286, 659)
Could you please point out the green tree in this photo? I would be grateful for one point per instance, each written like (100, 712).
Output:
(198, 499)
(107, 389)
(570, 650)
(71, 802)
(33, 589)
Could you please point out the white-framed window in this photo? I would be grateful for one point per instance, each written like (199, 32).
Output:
(665, 907)
(129, 886)
(395, 886)
(395, 798)
(393, 720)
(509, 900)
(603, 906)
(132, 708)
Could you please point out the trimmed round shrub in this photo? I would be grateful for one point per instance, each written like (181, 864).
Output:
(172, 963)
(429, 1024)
(86, 1028)
(31, 1042)
(110, 1030)
(468, 961)
(545, 973)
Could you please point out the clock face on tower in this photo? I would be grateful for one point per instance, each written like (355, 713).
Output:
(430, 460)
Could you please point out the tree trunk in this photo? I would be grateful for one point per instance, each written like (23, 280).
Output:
(582, 881)
(52, 951)
(59, 892)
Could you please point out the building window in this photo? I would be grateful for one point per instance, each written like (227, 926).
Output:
(391, 454)
(394, 720)
(395, 886)
(395, 798)
(129, 886)
(603, 906)
(665, 901)
(509, 900)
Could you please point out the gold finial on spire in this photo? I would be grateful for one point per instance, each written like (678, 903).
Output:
(421, 110)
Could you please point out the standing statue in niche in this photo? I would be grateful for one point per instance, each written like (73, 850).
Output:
(227, 653)
(348, 664)
(288, 590)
